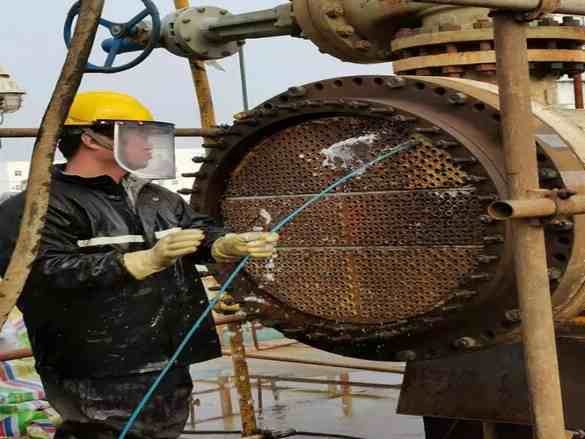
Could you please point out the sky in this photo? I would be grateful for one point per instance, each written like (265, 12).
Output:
(34, 53)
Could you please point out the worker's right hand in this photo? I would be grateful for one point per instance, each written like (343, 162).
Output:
(142, 264)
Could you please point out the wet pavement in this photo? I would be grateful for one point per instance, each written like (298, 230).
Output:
(354, 409)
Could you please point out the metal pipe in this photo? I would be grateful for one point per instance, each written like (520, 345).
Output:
(398, 370)
(575, 7)
(320, 381)
(242, 59)
(242, 381)
(179, 132)
(578, 87)
(529, 247)
(514, 209)
(37, 193)
(272, 22)
(201, 82)
(536, 208)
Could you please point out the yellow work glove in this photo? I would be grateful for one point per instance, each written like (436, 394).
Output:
(234, 246)
(142, 264)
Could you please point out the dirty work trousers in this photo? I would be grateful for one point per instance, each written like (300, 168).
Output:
(98, 408)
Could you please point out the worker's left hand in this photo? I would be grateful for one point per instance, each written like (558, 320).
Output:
(257, 245)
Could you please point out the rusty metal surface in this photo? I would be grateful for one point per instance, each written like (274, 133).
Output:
(242, 381)
(353, 31)
(452, 50)
(350, 289)
(531, 265)
(401, 253)
(490, 386)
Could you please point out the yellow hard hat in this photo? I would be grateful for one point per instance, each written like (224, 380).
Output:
(89, 107)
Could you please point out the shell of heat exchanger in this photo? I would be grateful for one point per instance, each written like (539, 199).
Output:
(403, 262)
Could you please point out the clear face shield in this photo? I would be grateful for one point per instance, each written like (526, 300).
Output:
(145, 149)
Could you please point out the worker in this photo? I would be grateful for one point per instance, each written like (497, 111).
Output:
(114, 288)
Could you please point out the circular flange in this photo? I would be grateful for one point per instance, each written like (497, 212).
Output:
(553, 49)
(403, 259)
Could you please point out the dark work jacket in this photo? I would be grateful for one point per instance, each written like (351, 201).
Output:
(85, 314)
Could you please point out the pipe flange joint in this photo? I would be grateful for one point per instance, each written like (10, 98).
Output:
(184, 33)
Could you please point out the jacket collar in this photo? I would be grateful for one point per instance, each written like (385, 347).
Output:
(132, 184)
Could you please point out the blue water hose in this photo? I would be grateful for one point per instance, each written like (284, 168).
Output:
(359, 171)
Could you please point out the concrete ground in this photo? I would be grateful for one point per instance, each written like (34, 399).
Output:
(355, 409)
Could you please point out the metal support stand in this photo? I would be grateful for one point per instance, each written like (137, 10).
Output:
(489, 431)
(243, 384)
(540, 351)
(578, 88)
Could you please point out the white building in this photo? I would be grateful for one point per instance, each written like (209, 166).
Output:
(183, 158)
(566, 97)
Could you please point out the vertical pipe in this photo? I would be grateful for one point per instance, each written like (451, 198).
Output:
(578, 84)
(244, 79)
(489, 430)
(242, 378)
(345, 394)
(201, 82)
(225, 397)
(253, 330)
(532, 280)
(38, 190)
(260, 396)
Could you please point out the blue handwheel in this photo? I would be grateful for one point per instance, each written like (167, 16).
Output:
(120, 42)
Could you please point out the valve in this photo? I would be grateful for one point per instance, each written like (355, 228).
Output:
(121, 41)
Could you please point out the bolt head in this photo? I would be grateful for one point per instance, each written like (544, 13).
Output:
(464, 343)
(457, 99)
(513, 315)
(363, 45)
(333, 11)
(395, 82)
(345, 31)
(116, 30)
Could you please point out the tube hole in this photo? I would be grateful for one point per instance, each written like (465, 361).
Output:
(500, 210)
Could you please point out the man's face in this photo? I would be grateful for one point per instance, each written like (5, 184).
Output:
(136, 149)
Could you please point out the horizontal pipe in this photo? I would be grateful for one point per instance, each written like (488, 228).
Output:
(321, 381)
(514, 209)
(179, 132)
(536, 208)
(576, 7)
(399, 370)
